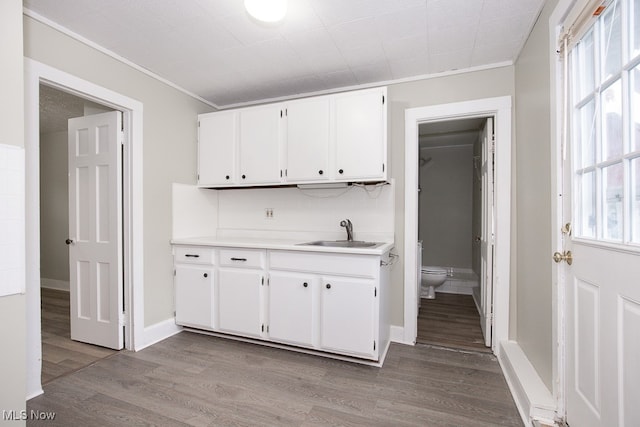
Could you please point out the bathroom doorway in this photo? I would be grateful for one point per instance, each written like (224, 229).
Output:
(455, 176)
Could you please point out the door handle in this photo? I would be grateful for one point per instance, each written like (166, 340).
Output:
(68, 241)
(567, 256)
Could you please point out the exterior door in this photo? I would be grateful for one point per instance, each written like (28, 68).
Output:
(95, 229)
(487, 239)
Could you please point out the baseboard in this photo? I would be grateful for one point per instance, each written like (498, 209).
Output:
(60, 285)
(533, 399)
(396, 334)
(158, 332)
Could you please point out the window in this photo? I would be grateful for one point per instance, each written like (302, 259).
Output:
(604, 86)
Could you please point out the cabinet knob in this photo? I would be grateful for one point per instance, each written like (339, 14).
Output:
(206, 275)
(226, 177)
(328, 285)
(320, 172)
(305, 284)
(244, 176)
(340, 171)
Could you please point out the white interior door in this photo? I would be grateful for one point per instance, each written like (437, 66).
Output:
(487, 239)
(95, 229)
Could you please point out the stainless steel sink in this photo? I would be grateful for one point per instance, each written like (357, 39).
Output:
(343, 244)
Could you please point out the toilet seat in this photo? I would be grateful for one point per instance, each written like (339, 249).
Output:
(433, 270)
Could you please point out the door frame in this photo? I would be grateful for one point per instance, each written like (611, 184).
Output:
(37, 73)
(500, 109)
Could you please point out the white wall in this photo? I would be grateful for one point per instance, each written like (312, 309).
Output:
(54, 207)
(445, 206)
(533, 199)
(12, 308)
(169, 145)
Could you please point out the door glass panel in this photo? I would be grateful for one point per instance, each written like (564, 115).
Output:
(612, 200)
(635, 107)
(586, 66)
(611, 42)
(587, 134)
(635, 204)
(612, 121)
(587, 204)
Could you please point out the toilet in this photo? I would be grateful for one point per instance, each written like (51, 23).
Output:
(432, 277)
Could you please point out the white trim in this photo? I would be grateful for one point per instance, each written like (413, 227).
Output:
(35, 74)
(532, 398)
(158, 332)
(59, 285)
(396, 334)
(500, 108)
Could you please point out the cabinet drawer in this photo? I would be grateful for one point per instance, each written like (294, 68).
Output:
(335, 264)
(193, 255)
(247, 258)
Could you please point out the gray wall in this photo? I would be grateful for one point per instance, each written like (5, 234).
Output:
(533, 199)
(441, 90)
(445, 206)
(54, 206)
(12, 308)
(169, 145)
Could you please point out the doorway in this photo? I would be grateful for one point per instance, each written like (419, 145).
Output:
(455, 190)
(62, 350)
(500, 108)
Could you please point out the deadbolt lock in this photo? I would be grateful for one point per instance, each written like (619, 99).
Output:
(566, 229)
(558, 257)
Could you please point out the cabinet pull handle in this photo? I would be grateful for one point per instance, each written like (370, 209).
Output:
(320, 172)
(305, 284)
(192, 256)
(328, 285)
(238, 259)
(206, 275)
(340, 171)
(244, 176)
(226, 177)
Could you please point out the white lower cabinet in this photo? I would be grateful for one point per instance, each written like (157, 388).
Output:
(326, 302)
(348, 313)
(240, 301)
(292, 312)
(194, 295)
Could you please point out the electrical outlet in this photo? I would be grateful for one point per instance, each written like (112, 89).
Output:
(268, 213)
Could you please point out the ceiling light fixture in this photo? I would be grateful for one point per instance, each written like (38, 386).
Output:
(266, 10)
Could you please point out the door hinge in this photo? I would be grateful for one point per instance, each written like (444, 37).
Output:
(123, 319)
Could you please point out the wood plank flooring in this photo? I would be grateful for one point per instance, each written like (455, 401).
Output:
(450, 320)
(199, 380)
(61, 355)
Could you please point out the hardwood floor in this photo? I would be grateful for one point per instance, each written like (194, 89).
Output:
(60, 355)
(199, 380)
(451, 320)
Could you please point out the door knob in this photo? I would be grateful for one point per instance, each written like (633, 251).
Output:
(68, 241)
(567, 256)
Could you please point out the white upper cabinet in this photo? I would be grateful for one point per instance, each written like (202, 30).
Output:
(259, 145)
(361, 135)
(308, 137)
(217, 134)
(331, 138)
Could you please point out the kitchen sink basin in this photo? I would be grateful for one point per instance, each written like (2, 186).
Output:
(343, 244)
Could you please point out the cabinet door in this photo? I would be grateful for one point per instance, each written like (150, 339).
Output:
(348, 316)
(360, 135)
(217, 138)
(239, 297)
(194, 296)
(260, 134)
(308, 140)
(291, 308)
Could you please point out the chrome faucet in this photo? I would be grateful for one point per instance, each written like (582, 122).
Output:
(346, 223)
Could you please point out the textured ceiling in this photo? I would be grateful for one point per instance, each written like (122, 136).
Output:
(212, 48)
(57, 107)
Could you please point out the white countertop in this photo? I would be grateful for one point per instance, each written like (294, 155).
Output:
(279, 244)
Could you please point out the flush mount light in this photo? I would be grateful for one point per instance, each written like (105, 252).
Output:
(266, 10)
